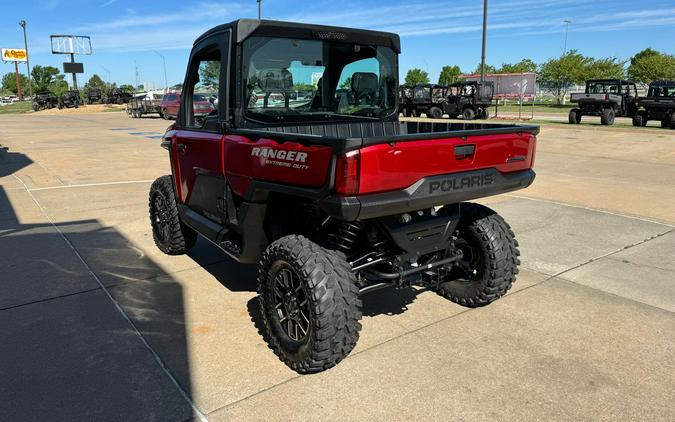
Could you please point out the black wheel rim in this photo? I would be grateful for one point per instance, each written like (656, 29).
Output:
(161, 217)
(291, 306)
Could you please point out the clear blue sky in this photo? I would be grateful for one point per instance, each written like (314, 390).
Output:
(434, 33)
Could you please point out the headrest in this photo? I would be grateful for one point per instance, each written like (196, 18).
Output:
(275, 80)
(364, 81)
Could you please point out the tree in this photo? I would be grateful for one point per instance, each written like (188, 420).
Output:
(127, 88)
(304, 87)
(347, 83)
(59, 86)
(488, 69)
(557, 75)
(449, 74)
(609, 68)
(44, 78)
(650, 65)
(523, 66)
(209, 75)
(416, 77)
(9, 83)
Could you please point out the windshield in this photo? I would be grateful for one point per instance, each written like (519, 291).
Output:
(662, 91)
(310, 80)
(602, 88)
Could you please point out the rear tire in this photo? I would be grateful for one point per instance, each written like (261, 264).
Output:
(607, 117)
(469, 114)
(575, 116)
(171, 236)
(435, 113)
(672, 121)
(484, 114)
(490, 262)
(310, 304)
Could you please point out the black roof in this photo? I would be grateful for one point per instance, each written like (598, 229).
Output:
(662, 83)
(622, 81)
(244, 28)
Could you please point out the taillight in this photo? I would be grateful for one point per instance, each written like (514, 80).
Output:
(347, 174)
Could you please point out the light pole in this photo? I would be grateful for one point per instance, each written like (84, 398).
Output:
(482, 56)
(166, 81)
(22, 24)
(107, 71)
(259, 9)
(567, 28)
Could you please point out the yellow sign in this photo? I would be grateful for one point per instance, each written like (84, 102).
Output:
(14, 55)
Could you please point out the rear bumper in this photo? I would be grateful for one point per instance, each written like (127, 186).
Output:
(428, 192)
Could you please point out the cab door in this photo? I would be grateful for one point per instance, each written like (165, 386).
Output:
(198, 140)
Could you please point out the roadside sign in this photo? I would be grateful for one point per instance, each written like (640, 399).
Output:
(511, 86)
(73, 67)
(14, 55)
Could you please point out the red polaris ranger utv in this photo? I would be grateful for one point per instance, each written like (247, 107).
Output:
(304, 168)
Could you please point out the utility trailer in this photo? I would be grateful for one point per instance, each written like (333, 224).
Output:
(148, 103)
(332, 196)
(659, 104)
(607, 98)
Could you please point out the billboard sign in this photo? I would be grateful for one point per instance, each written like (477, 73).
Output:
(70, 44)
(14, 55)
(510, 86)
(73, 67)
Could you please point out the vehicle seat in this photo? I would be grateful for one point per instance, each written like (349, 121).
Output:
(365, 86)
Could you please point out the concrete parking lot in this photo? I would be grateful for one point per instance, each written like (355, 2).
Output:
(98, 324)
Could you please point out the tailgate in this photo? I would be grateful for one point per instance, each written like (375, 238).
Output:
(398, 165)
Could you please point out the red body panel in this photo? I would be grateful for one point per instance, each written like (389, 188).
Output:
(382, 167)
(246, 160)
(387, 167)
(202, 154)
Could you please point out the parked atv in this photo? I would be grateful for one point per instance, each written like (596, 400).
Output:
(330, 194)
(118, 96)
(45, 100)
(470, 99)
(70, 99)
(659, 104)
(94, 96)
(423, 99)
(607, 98)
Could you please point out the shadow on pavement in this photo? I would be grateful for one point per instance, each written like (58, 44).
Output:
(67, 353)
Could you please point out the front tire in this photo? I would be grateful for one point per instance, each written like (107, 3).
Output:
(575, 116)
(435, 113)
(607, 117)
(490, 258)
(171, 236)
(310, 304)
(638, 120)
(468, 114)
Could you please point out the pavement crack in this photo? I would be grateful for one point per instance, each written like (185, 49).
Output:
(609, 254)
(48, 299)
